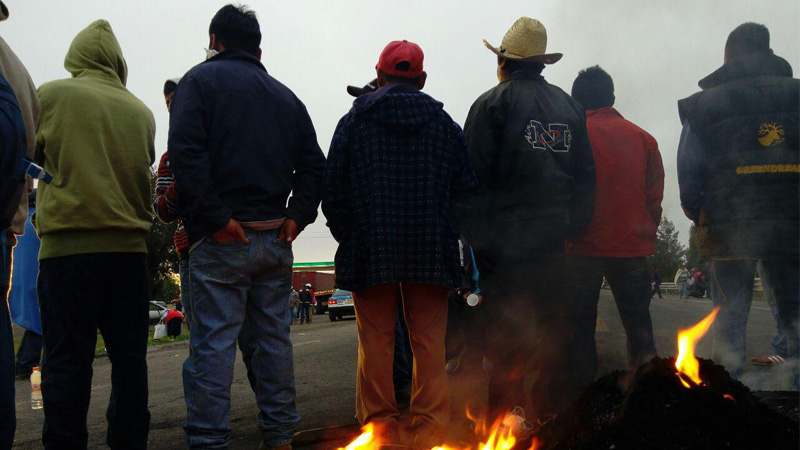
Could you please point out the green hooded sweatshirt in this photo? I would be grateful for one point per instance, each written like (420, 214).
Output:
(97, 140)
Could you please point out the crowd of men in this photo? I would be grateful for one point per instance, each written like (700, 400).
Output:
(542, 193)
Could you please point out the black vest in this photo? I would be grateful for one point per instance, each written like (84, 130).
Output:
(747, 119)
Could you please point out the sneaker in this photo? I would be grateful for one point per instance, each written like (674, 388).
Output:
(451, 365)
(516, 423)
(487, 365)
(771, 360)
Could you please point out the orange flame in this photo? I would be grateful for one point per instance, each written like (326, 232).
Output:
(367, 440)
(496, 437)
(686, 363)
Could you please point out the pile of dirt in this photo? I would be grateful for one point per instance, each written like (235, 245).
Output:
(655, 411)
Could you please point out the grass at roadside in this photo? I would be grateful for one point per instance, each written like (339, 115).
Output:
(100, 348)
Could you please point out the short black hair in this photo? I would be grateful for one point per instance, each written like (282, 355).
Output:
(169, 87)
(513, 65)
(236, 27)
(749, 37)
(593, 88)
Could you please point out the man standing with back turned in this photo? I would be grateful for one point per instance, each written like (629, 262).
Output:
(240, 142)
(739, 176)
(96, 139)
(528, 144)
(397, 163)
(622, 233)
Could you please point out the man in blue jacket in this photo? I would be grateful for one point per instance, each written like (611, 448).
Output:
(240, 142)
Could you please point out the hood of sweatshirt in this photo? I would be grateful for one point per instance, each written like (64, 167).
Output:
(95, 50)
(397, 106)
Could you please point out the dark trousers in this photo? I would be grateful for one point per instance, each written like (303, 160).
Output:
(656, 290)
(464, 323)
(630, 282)
(77, 295)
(305, 312)
(29, 353)
(8, 418)
(403, 365)
(524, 302)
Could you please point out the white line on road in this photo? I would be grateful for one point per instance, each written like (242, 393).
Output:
(304, 343)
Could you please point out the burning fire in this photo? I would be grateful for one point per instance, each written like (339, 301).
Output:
(368, 440)
(497, 437)
(686, 363)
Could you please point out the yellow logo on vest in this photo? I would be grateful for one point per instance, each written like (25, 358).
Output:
(769, 135)
(768, 168)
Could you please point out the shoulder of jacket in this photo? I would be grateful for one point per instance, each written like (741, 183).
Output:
(687, 108)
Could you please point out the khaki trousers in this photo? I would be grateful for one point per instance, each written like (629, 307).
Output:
(425, 309)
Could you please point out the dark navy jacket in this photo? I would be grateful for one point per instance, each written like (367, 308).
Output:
(396, 165)
(239, 143)
(741, 185)
(529, 146)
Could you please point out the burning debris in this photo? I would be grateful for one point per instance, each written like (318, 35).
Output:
(500, 435)
(658, 412)
(699, 406)
(678, 403)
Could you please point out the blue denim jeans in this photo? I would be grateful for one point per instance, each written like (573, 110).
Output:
(229, 282)
(781, 340)
(732, 289)
(684, 289)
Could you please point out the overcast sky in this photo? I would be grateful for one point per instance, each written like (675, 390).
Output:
(655, 50)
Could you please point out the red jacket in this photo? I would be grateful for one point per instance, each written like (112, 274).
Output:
(630, 186)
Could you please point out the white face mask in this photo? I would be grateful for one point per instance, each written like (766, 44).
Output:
(210, 53)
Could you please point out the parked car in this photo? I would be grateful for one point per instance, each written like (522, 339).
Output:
(157, 310)
(340, 304)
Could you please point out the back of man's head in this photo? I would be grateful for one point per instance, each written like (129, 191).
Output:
(593, 88)
(236, 27)
(747, 38)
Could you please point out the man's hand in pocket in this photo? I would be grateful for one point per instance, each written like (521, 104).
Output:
(288, 231)
(231, 232)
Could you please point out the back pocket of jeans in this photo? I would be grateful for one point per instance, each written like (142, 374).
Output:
(220, 261)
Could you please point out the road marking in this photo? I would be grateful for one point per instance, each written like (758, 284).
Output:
(304, 343)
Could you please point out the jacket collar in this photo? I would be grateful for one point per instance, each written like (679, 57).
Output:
(609, 111)
(748, 66)
(524, 75)
(239, 54)
(364, 102)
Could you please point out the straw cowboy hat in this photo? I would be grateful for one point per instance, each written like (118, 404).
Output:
(526, 40)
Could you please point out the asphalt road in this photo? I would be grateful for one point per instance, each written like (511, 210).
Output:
(325, 367)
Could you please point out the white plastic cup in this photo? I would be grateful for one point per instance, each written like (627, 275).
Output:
(473, 300)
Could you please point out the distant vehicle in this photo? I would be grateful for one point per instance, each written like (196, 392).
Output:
(157, 310)
(322, 283)
(340, 304)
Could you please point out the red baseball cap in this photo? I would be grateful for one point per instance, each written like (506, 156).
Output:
(398, 52)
